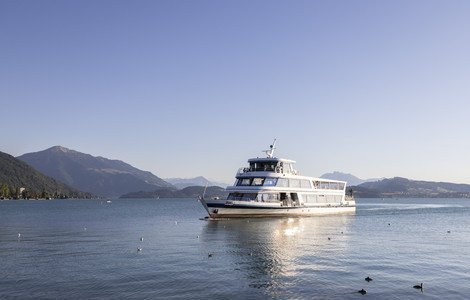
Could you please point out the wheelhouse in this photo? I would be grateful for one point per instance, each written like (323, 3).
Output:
(273, 165)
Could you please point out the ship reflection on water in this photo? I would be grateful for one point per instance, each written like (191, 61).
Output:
(270, 254)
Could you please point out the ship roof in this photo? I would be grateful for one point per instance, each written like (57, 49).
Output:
(269, 159)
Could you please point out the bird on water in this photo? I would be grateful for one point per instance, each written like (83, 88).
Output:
(363, 292)
(418, 286)
(368, 279)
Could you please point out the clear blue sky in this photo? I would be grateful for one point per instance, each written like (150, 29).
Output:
(186, 88)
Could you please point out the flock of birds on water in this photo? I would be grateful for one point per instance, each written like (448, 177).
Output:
(361, 291)
(368, 279)
(210, 254)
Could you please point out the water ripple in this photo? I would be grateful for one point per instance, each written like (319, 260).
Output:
(84, 250)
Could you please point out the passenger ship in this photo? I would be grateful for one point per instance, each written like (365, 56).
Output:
(271, 186)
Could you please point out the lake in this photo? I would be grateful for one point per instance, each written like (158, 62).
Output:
(88, 249)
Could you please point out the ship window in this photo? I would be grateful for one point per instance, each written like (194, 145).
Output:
(235, 196)
(245, 181)
(294, 183)
(287, 168)
(268, 197)
(311, 198)
(250, 196)
(257, 166)
(323, 185)
(305, 184)
(336, 186)
(333, 198)
(270, 166)
(244, 197)
(282, 182)
(257, 181)
(270, 181)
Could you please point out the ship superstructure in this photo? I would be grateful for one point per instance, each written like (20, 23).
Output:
(272, 186)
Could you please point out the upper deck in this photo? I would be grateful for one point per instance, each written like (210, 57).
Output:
(269, 164)
(276, 172)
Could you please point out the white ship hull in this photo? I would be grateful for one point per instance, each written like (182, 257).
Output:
(218, 209)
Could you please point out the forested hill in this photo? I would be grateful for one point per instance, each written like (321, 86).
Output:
(97, 175)
(406, 188)
(15, 174)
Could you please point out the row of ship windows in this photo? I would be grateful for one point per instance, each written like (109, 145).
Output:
(293, 183)
(273, 197)
(322, 198)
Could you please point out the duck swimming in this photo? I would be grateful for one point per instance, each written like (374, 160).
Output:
(418, 286)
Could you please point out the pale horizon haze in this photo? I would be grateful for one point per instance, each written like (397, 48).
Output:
(189, 88)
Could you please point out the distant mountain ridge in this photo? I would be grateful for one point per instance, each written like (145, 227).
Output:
(97, 175)
(15, 173)
(182, 183)
(349, 178)
(113, 178)
(400, 187)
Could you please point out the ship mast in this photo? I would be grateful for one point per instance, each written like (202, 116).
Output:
(270, 152)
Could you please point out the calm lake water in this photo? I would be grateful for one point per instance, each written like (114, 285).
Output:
(87, 249)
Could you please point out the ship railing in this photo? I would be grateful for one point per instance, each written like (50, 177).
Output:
(243, 170)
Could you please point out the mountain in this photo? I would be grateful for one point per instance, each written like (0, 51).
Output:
(187, 192)
(15, 174)
(349, 178)
(402, 187)
(97, 175)
(196, 181)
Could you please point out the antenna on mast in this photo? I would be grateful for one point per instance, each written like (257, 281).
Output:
(270, 152)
